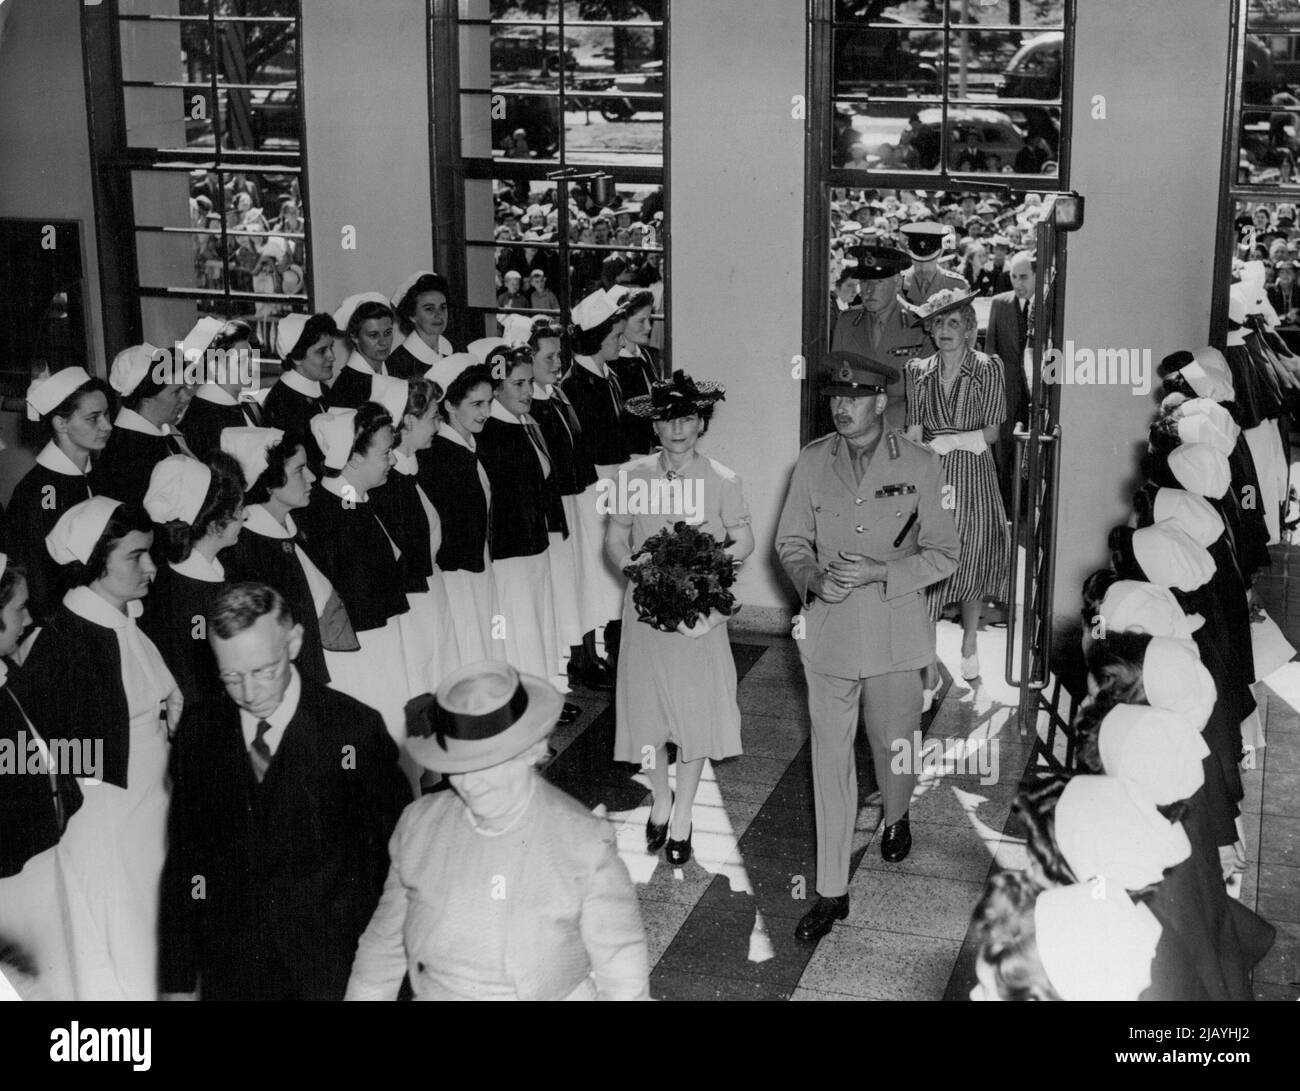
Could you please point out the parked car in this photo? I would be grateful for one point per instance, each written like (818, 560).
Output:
(976, 138)
(527, 51)
(1035, 70)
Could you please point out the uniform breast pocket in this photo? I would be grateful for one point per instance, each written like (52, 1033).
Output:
(828, 517)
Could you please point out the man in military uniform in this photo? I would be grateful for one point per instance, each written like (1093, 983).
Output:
(881, 329)
(864, 530)
(923, 243)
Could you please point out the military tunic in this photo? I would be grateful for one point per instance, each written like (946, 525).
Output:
(917, 290)
(868, 649)
(890, 337)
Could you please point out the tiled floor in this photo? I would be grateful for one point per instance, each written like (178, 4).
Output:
(722, 927)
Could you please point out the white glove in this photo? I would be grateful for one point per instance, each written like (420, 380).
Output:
(974, 442)
(959, 441)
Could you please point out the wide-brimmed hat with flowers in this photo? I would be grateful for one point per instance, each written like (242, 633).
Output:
(679, 397)
(943, 301)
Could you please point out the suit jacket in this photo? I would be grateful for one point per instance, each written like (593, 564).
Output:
(449, 475)
(881, 627)
(292, 867)
(1006, 341)
(602, 442)
(573, 915)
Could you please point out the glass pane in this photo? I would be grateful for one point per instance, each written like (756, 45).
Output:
(887, 63)
(264, 53)
(260, 120)
(1015, 66)
(1270, 14)
(165, 51)
(167, 321)
(162, 117)
(506, 11)
(627, 11)
(874, 11)
(1041, 13)
(179, 260)
(528, 56)
(1271, 70)
(1269, 142)
(886, 136)
(510, 126)
(1266, 231)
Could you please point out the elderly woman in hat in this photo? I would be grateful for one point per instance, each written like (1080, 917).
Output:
(72, 409)
(504, 888)
(154, 398)
(93, 677)
(955, 402)
(366, 320)
(198, 509)
(421, 306)
(677, 687)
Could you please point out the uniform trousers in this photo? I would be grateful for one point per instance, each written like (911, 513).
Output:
(891, 706)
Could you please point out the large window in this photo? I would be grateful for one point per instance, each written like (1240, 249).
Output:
(201, 158)
(956, 113)
(552, 182)
(1261, 183)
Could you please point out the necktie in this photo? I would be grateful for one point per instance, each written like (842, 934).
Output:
(1024, 317)
(252, 413)
(259, 753)
(539, 443)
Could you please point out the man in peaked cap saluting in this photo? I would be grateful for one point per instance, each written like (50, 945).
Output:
(880, 329)
(862, 532)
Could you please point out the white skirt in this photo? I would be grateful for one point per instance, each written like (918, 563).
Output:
(528, 615)
(473, 599)
(428, 639)
(600, 586)
(1265, 443)
(111, 859)
(563, 558)
(34, 917)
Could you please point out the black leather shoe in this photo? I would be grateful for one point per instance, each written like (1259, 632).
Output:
(569, 713)
(822, 916)
(897, 841)
(593, 674)
(656, 833)
(678, 852)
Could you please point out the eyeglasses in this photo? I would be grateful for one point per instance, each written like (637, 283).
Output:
(261, 674)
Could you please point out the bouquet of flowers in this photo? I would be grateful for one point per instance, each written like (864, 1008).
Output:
(680, 577)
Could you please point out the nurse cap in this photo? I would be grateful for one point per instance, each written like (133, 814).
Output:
(49, 390)
(130, 366)
(79, 529)
(248, 447)
(178, 486)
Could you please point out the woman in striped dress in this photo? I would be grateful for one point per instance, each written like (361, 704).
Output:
(955, 402)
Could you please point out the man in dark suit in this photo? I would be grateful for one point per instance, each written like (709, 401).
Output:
(284, 795)
(1006, 338)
